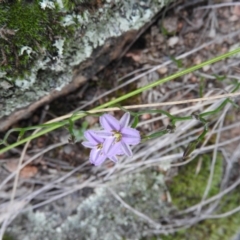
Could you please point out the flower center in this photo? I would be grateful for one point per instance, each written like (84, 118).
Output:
(117, 135)
(99, 146)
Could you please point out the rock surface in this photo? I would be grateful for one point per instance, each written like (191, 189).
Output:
(100, 216)
(99, 36)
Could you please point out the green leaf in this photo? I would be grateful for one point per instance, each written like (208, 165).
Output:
(219, 78)
(164, 31)
(178, 62)
(21, 133)
(190, 148)
(157, 134)
(135, 122)
(78, 134)
(201, 87)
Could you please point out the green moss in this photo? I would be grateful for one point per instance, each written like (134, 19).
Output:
(8, 237)
(187, 189)
(82, 4)
(25, 24)
(215, 229)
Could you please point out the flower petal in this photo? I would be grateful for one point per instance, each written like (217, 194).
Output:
(130, 136)
(108, 122)
(92, 137)
(97, 157)
(88, 144)
(107, 145)
(111, 148)
(119, 151)
(104, 133)
(113, 158)
(124, 121)
(126, 149)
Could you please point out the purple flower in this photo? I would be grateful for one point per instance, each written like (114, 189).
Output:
(95, 142)
(118, 136)
(115, 139)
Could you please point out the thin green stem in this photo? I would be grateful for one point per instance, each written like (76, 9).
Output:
(119, 99)
(44, 131)
(166, 79)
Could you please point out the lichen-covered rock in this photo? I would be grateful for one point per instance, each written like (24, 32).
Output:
(101, 216)
(46, 45)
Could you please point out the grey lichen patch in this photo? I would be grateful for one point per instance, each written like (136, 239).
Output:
(53, 62)
(110, 22)
(101, 216)
(33, 93)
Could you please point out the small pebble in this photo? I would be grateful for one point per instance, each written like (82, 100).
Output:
(146, 116)
(68, 149)
(233, 18)
(162, 70)
(173, 41)
(165, 121)
(206, 68)
(197, 60)
(170, 24)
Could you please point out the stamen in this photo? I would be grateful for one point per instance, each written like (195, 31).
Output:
(99, 146)
(117, 135)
